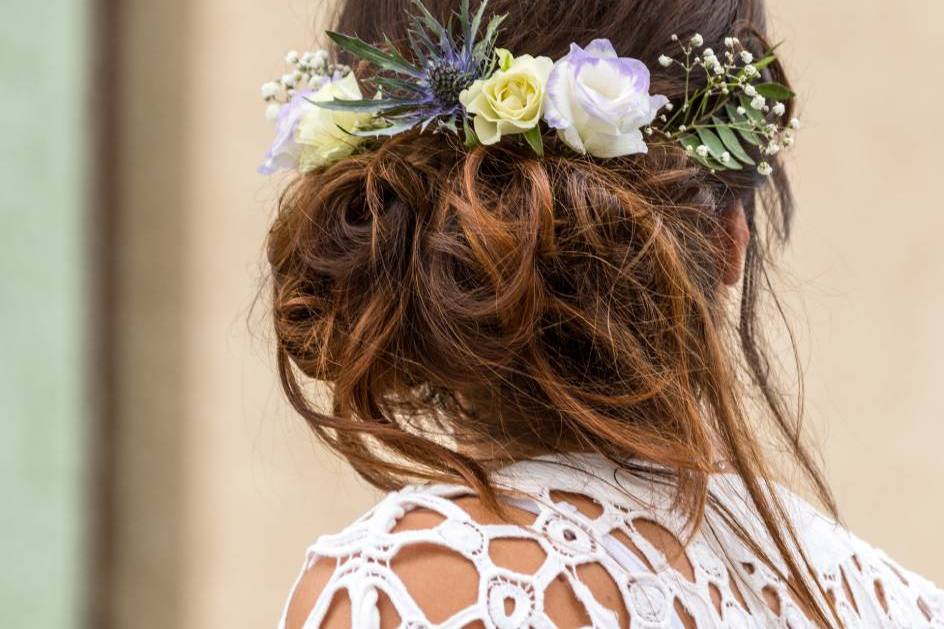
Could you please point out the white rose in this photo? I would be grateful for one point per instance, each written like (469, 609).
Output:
(322, 132)
(599, 103)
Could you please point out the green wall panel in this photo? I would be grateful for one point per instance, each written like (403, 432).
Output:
(44, 278)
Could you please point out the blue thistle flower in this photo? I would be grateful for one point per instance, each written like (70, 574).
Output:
(426, 91)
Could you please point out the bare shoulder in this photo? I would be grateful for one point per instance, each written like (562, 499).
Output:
(444, 557)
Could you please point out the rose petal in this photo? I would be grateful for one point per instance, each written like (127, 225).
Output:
(602, 48)
(610, 146)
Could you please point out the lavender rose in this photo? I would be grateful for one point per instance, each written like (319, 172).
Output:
(599, 102)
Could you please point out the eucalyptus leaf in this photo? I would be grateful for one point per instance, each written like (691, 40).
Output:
(754, 114)
(731, 142)
(710, 139)
(741, 124)
(378, 57)
(692, 142)
(535, 140)
(774, 91)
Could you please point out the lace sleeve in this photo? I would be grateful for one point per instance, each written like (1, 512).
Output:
(545, 568)
(575, 555)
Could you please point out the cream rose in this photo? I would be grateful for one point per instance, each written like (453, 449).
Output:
(511, 101)
(322, 132)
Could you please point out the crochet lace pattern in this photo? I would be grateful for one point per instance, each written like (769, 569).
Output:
(731, 586)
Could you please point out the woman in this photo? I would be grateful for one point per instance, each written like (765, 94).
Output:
(510, 252)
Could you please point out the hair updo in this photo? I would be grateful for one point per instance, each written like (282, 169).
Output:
(470, 307)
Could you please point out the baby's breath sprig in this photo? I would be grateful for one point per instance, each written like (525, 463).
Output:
(307, 71)
(735, 107)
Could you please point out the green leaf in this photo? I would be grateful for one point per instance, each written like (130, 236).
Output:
(491, 35)
(426, 17)
(535, 140)
(766, 61)
(388, 131)
(465, 16)
(740, 125)
(754, 114)
(690, 141)
(729, 138)
(384, 60)
(774, 91)
(394, 85)
(710, 139)
(505, 59)
(394, 52)
(716, 147)
(477, 20)
(471, 138)
(367, 105)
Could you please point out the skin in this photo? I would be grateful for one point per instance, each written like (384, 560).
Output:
(736, 236)
(444, 583)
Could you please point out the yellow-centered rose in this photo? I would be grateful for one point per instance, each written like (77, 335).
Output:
(323, 133)
(511, 101)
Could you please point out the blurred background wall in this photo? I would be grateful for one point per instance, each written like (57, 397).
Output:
(45, 307)
(145, 363)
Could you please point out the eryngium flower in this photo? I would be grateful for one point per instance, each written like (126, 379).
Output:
(424, 91)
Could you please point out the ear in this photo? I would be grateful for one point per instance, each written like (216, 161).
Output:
(735, 237)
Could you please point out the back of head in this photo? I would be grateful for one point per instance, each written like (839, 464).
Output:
(472, 307)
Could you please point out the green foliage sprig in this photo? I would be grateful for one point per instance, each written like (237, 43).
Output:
(735, 108)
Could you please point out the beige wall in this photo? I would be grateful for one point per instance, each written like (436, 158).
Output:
(221, 488)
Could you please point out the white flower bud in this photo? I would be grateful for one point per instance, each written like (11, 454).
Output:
(321, 56)
(697, 40)
(665, 61)
(272, 112)
(779, 109)
(795, 123)
(758, 102)
(292, 57)
(719, 69)
(750, 90)
(669, 107)
(709, 52)
(702, 151)
(674, 37)
(751, 71)
(316, 82)
(270, 90)
(747, 57)
(772, 149)
(730, 42)
(725, 158)
(765, 169)
(742, 111)
(289, 80)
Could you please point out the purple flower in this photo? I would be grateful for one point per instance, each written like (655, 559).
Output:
(286, 152)
(599, 102)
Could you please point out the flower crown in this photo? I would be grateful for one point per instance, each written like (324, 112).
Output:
(461, 83)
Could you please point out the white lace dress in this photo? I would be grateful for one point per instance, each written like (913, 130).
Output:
(724, 583)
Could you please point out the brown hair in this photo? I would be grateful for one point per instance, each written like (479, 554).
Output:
(460, 301)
